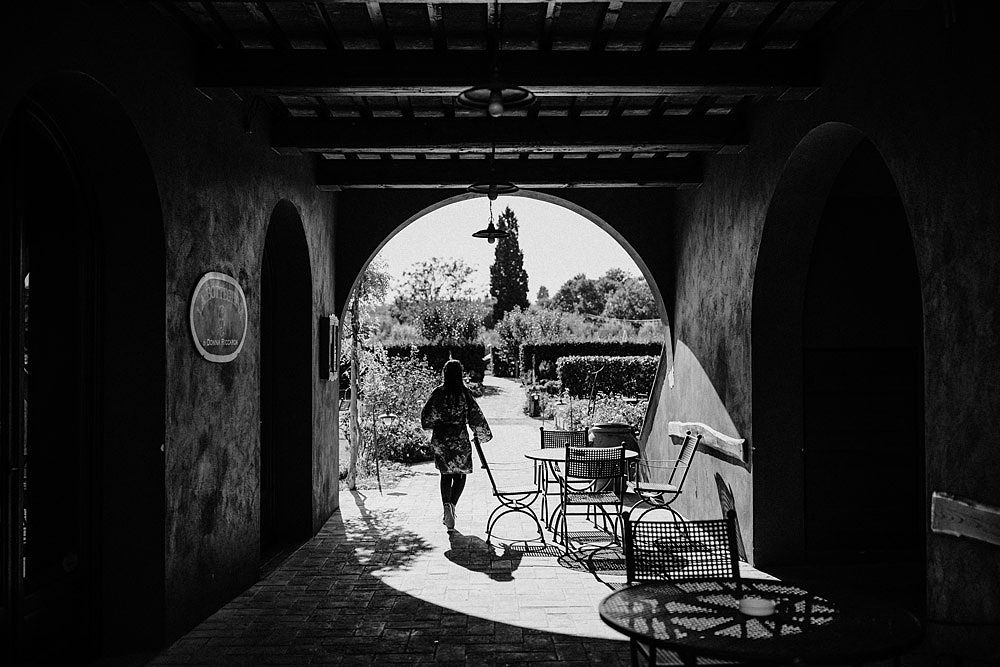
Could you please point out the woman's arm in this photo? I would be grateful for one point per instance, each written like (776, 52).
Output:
(477, 421)
(429, 415)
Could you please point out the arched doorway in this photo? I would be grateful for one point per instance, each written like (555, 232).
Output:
(285, 384)
(83, 505)
(848, 349)
(368, 219)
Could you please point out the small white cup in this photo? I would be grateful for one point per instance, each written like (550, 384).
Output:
(754, 606)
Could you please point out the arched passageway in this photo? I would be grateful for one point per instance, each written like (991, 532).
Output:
(83, 365)
(838, 375)
(603, 213)
(285, 383)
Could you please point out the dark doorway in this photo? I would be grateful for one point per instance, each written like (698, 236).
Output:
(286, 385)
(862, 387)
(51, 403)
(838, 464)
(82, 381)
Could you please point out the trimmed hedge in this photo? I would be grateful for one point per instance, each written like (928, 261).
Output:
(547, 354)
(627, 376)
(470, 355)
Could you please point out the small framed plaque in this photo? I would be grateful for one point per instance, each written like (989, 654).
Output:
(218, 317)
(327, 328)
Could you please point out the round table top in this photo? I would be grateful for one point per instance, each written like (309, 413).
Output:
(556, 454)
(703, 618)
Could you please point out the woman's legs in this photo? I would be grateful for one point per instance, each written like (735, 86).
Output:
(457, 486)
(452, 486)
(446, 482)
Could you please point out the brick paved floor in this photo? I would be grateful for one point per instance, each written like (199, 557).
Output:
(385, 583)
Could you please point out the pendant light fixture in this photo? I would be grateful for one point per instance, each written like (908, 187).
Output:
(492, 189)
(491, 233)
(495, 96)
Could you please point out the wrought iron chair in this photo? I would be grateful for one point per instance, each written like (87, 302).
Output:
(594, 478)
(672, 550)
(512, 499)
(658, 482)
(544, 473)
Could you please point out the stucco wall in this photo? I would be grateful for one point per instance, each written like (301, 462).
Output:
(217, 184)
(907, 82)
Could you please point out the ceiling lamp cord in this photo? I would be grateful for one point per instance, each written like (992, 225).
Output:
(492, 188)
(495, 96)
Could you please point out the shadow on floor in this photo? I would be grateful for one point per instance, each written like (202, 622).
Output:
(326, 605)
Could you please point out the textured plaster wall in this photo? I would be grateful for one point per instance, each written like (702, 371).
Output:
(217, 185)
(219, 192)
(907, 82)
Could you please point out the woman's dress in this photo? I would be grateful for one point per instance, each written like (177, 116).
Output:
(448, 414)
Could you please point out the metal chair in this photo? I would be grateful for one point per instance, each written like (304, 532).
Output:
(511, 498)
(592, 477)
(677, 551)
(658, 482)
(551, 439)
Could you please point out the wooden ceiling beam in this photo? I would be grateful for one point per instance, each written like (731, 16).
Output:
(527, 174)
(476, 2)
(447, 73)
(664, 134)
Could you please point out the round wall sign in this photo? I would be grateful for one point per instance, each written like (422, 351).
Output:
(218, 317)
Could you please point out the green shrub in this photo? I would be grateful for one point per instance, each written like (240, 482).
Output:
(607, 409)
(628, 376)
(404, 442)
(546, 355)
(470, 354)
(392, 384)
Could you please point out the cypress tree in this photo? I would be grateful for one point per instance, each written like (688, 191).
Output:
(508, 279)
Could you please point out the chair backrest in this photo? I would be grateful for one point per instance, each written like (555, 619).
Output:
(681, 550)
(688, 449)
(553, 438)
(595, 462)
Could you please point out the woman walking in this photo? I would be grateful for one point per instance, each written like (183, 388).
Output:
(450, 408)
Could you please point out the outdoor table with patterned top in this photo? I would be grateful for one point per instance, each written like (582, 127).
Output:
(703, 619)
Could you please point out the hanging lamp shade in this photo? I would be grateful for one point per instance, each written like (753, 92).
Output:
(491, 233)
(493, 188)
(495, 97)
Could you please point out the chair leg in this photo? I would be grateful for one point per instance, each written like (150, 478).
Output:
(508, 506)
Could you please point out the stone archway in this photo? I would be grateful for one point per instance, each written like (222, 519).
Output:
(286, 382)
(599, 211)
(837, 372)
(634, 218)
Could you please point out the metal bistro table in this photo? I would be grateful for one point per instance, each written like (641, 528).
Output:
(702, 619)
(548, 457)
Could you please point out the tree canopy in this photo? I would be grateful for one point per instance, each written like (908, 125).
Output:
(508, 279)
(436, 279)
(616, 294)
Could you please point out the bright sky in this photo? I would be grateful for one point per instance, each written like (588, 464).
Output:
(557, 243)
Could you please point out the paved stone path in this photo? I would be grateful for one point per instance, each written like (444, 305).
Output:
(384, 583)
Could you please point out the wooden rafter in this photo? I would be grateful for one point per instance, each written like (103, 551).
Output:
(512, 135)
(536, 174)
(544, 73)
(319, 14)
(479, 2)
(262, 14)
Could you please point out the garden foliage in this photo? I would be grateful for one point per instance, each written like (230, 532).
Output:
(398, 385)
(545, 355)
(470, 354)
(628, 376)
